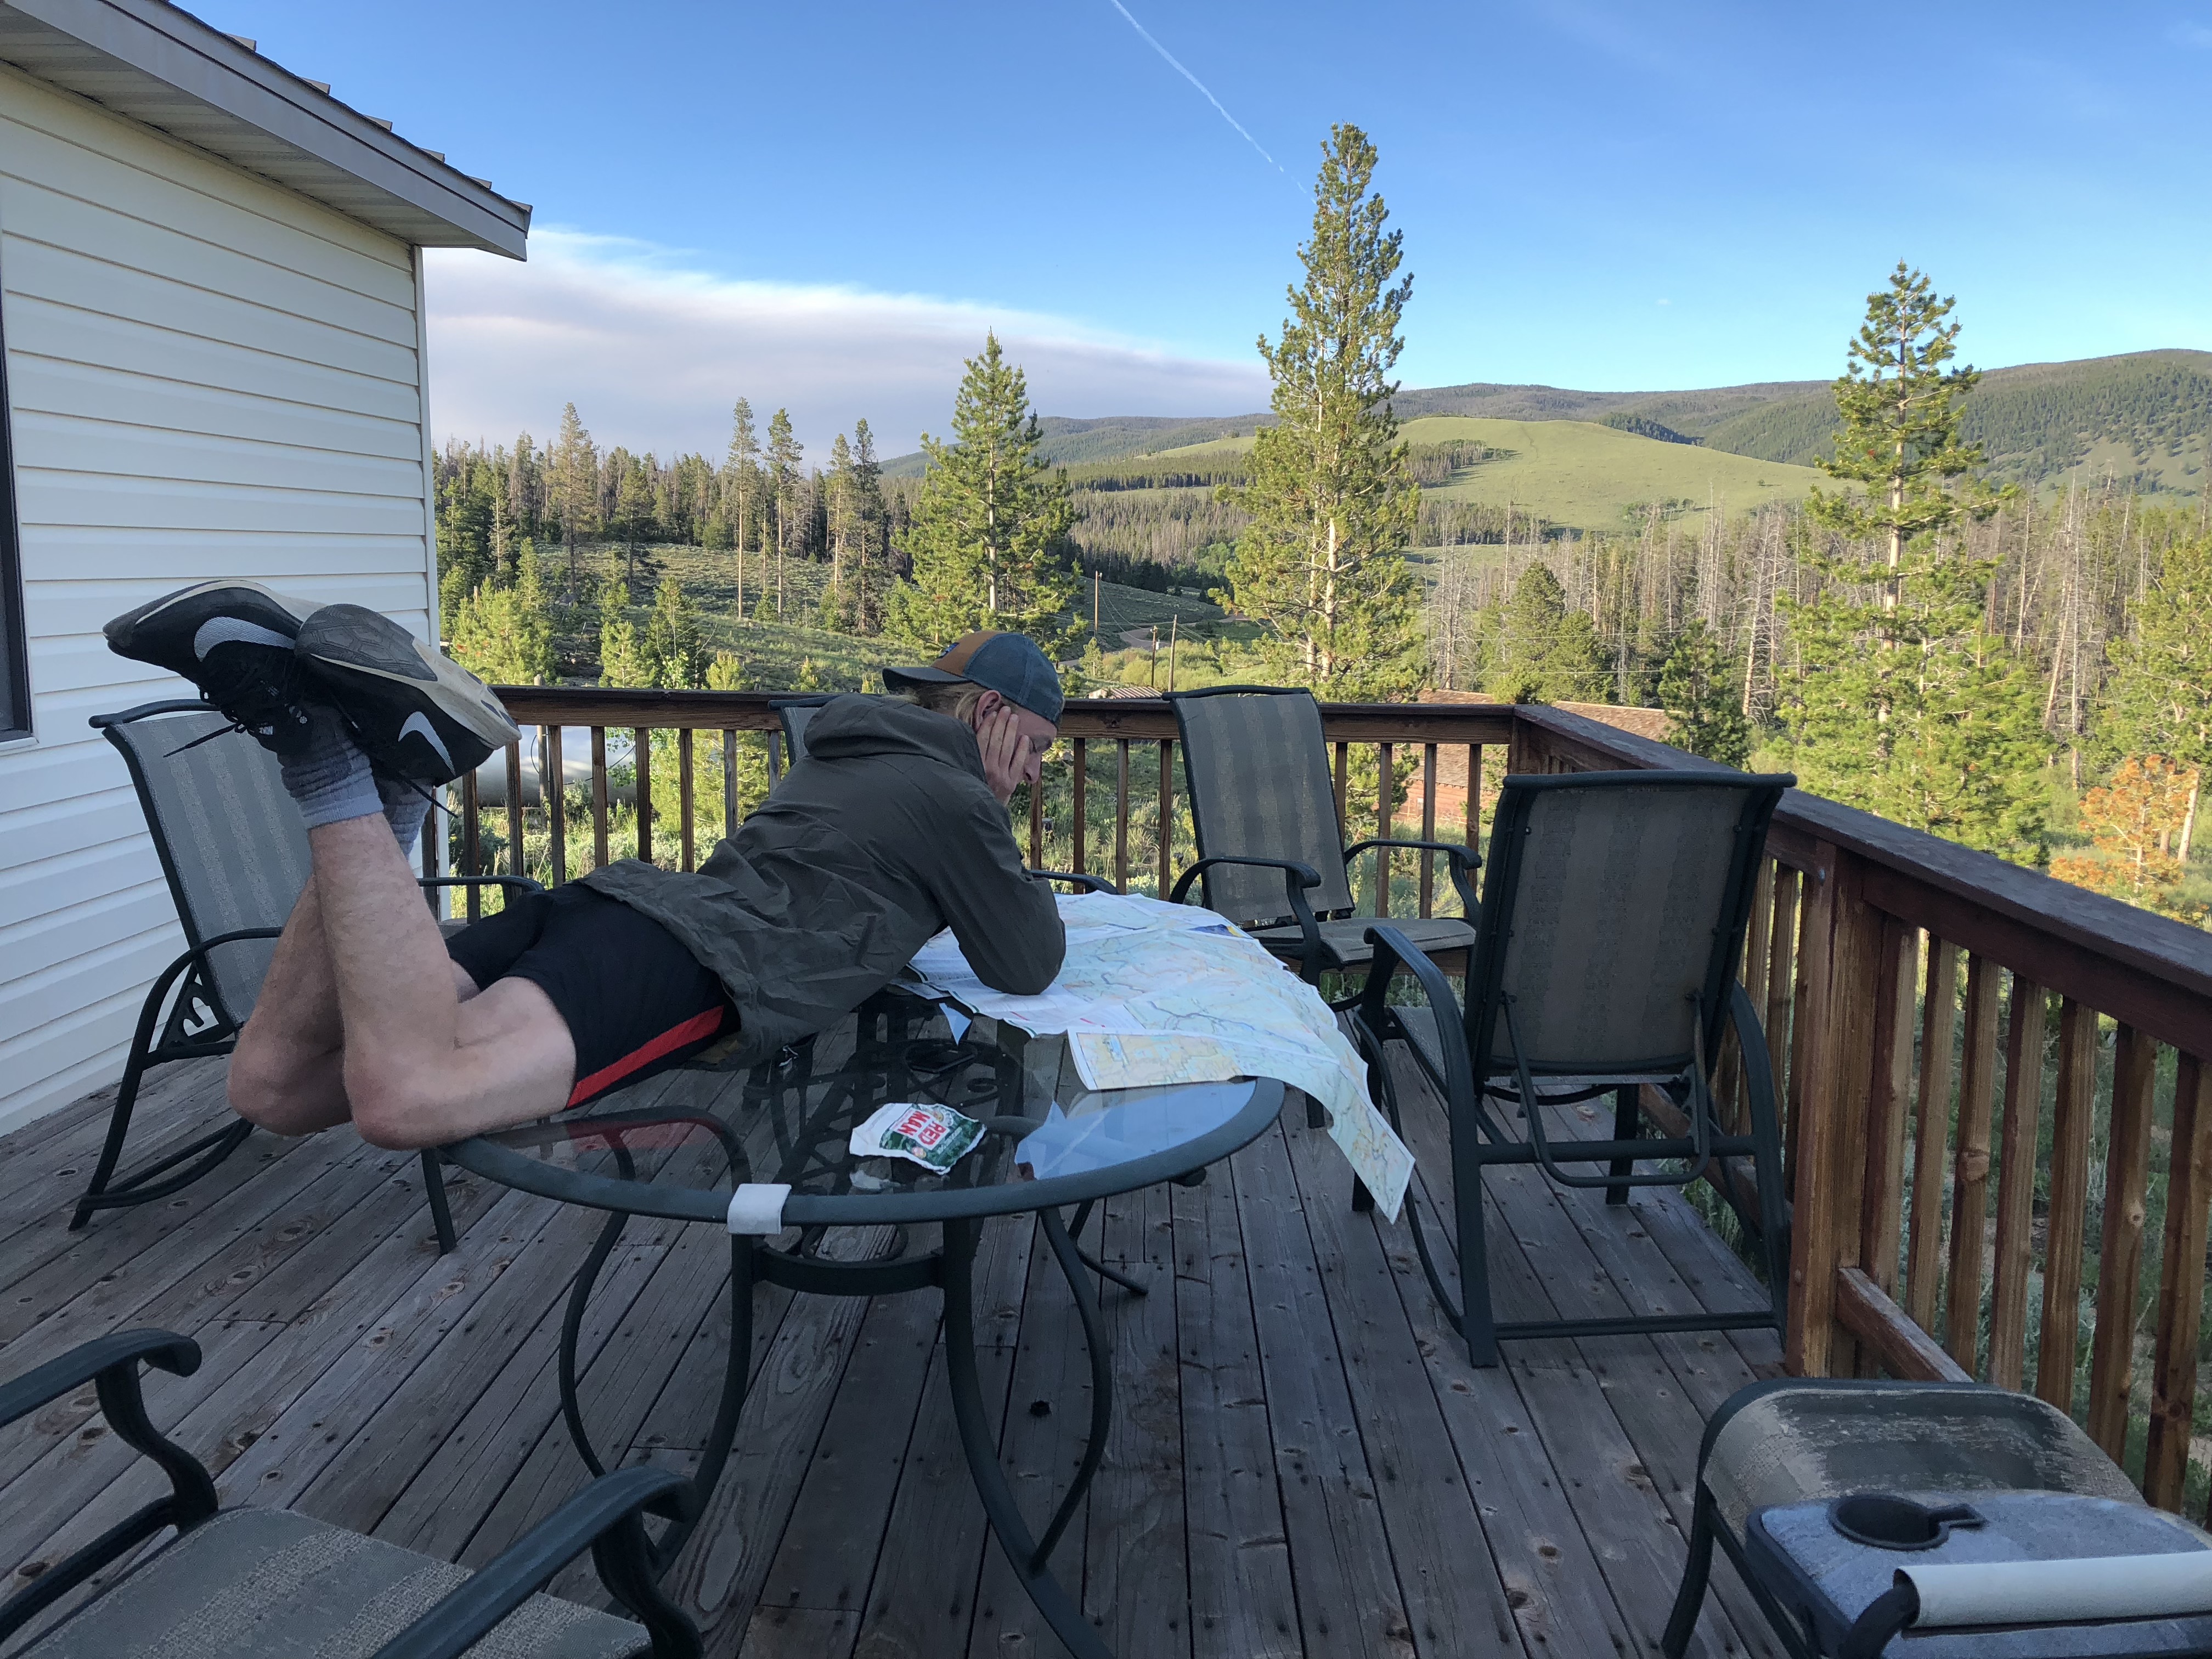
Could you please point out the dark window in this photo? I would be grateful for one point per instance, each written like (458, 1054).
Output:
(14, 668)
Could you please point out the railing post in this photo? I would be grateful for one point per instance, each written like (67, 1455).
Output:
(2016, 1149)
(2119, 1265)
(1970, 1164)
(1882, 1210)
(1939, 1022)
(1428, 828)
(641, 764)
(514, 859)
(729, 784)
(1167, 817)
(685, 802)
(599, 797)
(2180, 1286)
(1385, 789)
(2070, 1123)
(556, 790)
(1842, 949)
(1082, 806)
(471, 842)
(1121, 817)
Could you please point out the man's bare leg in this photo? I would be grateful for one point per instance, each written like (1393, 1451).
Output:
(420, 1065)
(288, 1073)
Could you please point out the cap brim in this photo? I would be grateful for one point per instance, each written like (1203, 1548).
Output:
(922, 677)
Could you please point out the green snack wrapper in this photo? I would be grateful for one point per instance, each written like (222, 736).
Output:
(921, 1131)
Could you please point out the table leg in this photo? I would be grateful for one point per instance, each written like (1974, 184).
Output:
(715, 1453)
(1030, 1557)
(1075, 1231)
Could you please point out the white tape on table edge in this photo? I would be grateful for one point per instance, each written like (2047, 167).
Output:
(2054, 1592)
(757, 1207)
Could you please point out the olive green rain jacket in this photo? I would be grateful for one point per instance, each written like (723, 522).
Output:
(883, 835)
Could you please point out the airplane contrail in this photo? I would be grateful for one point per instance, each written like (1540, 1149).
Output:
(1196, 82)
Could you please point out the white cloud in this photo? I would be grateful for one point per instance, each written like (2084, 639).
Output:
(653, 350)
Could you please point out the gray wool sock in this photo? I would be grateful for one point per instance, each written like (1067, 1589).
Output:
(330, 779)
(404, 808)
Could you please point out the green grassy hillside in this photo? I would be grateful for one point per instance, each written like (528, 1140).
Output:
(2144, 418)
(1576, 473)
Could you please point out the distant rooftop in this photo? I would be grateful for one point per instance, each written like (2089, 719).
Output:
(157, 63)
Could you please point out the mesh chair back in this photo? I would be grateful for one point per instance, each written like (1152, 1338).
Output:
(796, 713)
(1256, 766)
(230, 840)
(1613, 911)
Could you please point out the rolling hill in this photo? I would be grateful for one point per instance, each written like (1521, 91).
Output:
(2144, 417)
(1579, 474)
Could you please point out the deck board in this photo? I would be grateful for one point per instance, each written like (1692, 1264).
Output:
(1303, 1462)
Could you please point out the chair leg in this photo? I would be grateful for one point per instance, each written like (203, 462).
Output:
(1476, 1324)
(434, 1188)
(118, 1126)
(1624, 1126)
(1690, 1597)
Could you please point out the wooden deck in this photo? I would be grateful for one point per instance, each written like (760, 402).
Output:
(1302, 1461)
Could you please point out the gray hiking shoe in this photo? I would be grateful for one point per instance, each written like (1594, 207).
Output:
(234, 639)
(416, 714)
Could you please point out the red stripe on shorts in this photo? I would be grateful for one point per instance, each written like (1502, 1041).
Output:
(696, 1029)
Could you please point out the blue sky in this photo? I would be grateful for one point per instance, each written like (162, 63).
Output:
(824, 207)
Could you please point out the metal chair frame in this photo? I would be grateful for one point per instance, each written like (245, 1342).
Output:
(604, 1518)
(1470, 1074)
(1314, 957)
(199, 1023)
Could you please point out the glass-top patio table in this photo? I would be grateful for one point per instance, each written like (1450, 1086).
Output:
(1049, 1142)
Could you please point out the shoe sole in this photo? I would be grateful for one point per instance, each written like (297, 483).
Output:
(280, 612)
(346, 644)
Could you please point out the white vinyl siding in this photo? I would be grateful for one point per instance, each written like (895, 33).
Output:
(210, 376)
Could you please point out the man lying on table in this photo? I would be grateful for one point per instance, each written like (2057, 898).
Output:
(893, 827)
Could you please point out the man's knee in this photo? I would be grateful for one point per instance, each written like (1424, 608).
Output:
(274, 1099)
(398, 1107)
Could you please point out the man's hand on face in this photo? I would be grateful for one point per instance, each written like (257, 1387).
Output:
(1007, 748)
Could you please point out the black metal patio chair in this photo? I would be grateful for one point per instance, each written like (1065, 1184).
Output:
(235, 857)
(1613, 914)
(248, 1584)
(794, 713)
(1271, 852)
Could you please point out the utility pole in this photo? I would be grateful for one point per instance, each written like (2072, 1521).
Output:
(1094, 604)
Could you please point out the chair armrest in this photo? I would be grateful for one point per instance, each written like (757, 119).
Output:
(120, 1353)
(111, 1363)
(1393, 950)
(1297, 877)
(604, 1518)
(1462, 860)
(1089, 883)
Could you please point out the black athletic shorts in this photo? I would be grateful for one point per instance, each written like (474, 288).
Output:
(636, 1002)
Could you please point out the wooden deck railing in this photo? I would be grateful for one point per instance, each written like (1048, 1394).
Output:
(1914, 1079)
(1917, 1085)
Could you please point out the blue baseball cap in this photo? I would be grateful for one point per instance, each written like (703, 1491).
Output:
(1008, 664)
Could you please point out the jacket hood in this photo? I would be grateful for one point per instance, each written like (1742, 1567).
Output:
(852, 726)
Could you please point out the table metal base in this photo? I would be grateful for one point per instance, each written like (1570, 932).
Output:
(951, 1269)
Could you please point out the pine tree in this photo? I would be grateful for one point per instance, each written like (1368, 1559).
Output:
(504, 634)
(989, 536)
(783, 459)
(2159, 700)
(1539, 650)
(621, 659)
(741, 486)
(1697, 690)
(669, 651)
(575, 465)
(1907, 704)
(1332, 502)
(868, 569)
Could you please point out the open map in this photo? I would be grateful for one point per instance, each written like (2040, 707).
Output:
(1163, 993)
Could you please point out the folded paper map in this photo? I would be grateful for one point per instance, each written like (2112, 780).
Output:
(1157, 993)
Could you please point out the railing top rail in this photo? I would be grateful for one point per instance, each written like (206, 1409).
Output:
(2154, 973)
(2148, 969)
(1144, 719)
